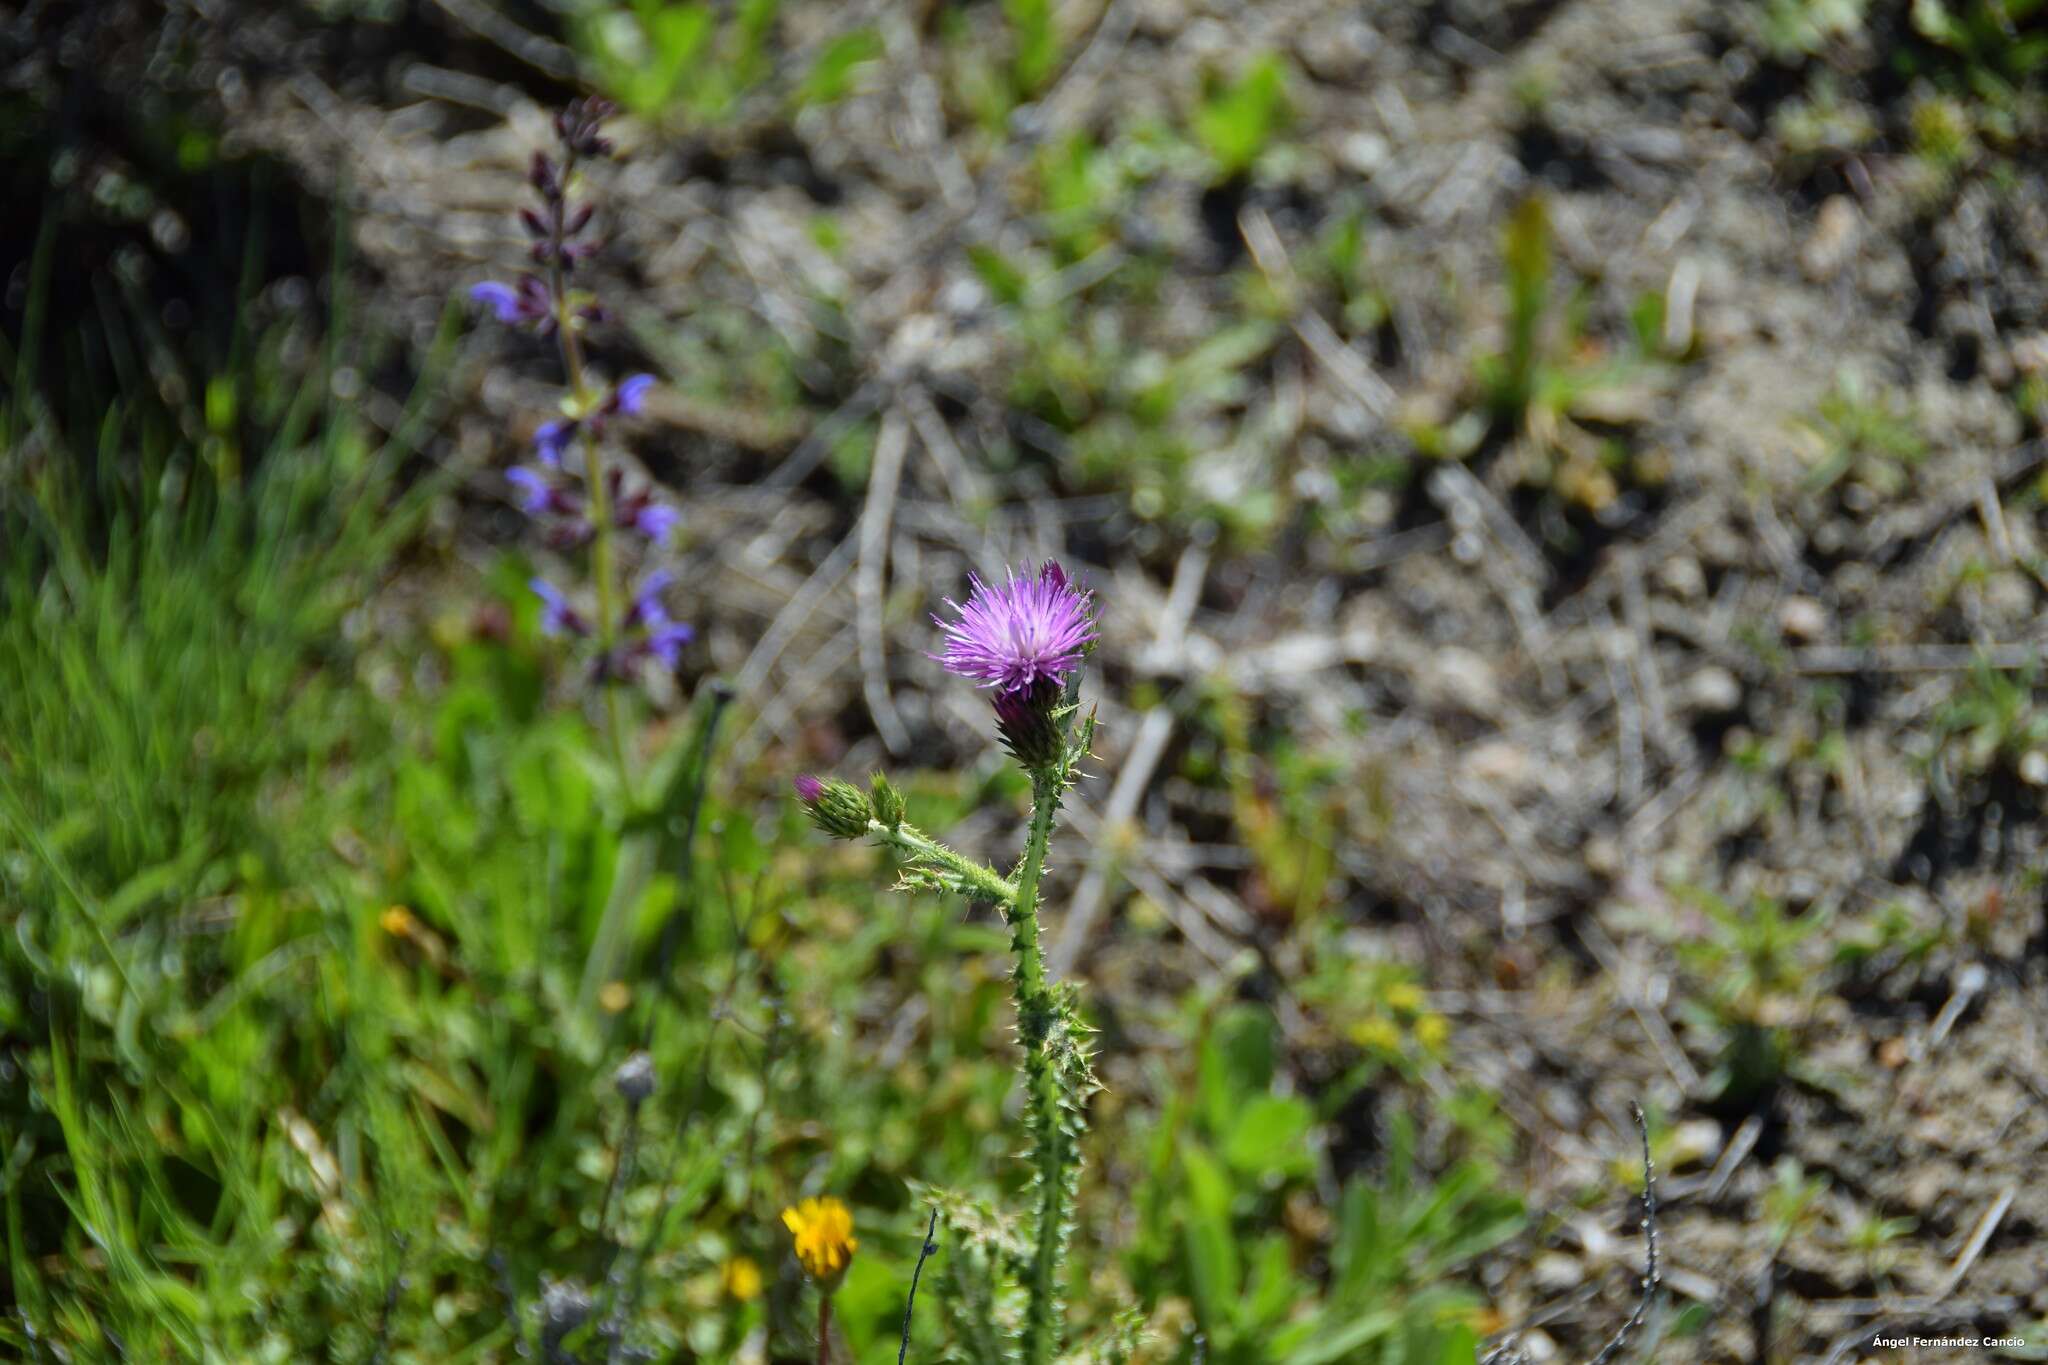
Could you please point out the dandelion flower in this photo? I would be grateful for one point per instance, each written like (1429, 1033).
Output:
(742, 1278)
(823, 1229)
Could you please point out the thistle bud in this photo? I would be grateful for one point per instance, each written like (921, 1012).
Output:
(1031, 729)
(888, 802)
(840, 809)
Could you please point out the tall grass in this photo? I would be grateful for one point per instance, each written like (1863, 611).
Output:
(177, 721)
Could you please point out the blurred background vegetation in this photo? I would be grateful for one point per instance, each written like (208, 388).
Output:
(1565, 486)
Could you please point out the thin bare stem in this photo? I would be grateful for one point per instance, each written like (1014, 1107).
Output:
(1635, 1320)
(824, 1329)
(924, 1253)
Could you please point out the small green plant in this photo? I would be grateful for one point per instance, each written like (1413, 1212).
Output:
(661, 58)
(1797, 29)
(1226, 1158)
(1753, 966)
(1870, 1239)
(1551, 379)
(1864, 437)
(1792, 1201)
(1238, 118)
(2000, 43)
(1990, 726)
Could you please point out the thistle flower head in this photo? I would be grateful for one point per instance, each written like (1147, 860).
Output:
(1032, 629)
(823, 1230)
(838, 808)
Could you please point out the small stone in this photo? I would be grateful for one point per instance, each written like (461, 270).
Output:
(1498, 763)
(1713, 690)
(1802, 618)
(1365, 154)
(2030, 353)
(1462, 678)
(1682, 577)
(1834, 238)
(1557, 1273)
(2034, 768)
(1695, 1140)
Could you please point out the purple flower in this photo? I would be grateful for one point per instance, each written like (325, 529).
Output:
(1032, 629)
(550, 439)
(502, 298)
(653, 520)
(808, 788)
(631, 395)
(525, 302)
(646, 609)
(539, 496)
(665, 642)
(557, 616)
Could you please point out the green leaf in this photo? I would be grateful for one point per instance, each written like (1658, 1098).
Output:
(1270, 1137)
(1004, 280)
(1237, 121)
(831, 77)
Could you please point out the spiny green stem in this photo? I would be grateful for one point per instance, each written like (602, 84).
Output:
(1036, 1011)
(917, 848)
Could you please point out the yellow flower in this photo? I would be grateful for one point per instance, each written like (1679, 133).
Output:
(824, 1237)
(742, 1278)
(1377, 1035)
(1432, 1031)
(1404, 997)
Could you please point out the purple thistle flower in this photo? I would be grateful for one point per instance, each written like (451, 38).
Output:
(539, 496)
(503, 299)
(808, 788)
(557, 616)
(1030, 630)
(631, 395)
(551, 438)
